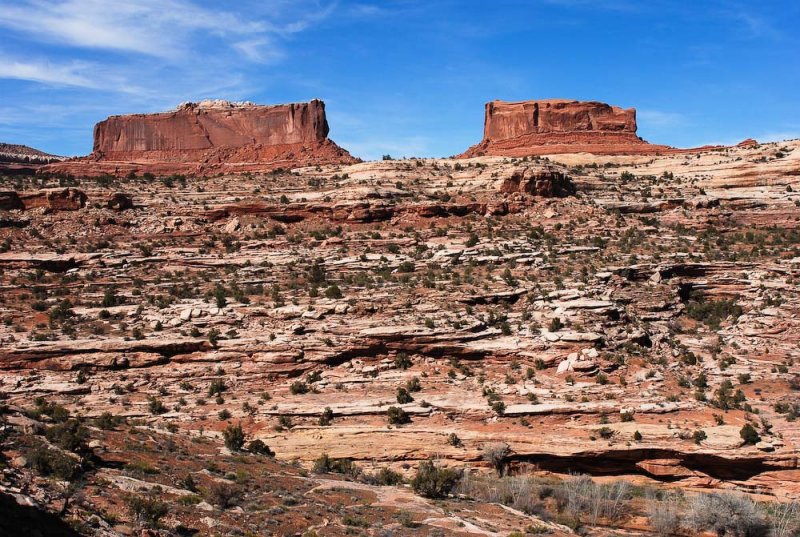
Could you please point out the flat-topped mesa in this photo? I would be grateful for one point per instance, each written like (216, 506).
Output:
(550, 126)
(211, 137)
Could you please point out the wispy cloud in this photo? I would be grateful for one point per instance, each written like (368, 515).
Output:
(160, 28)
(105, 45)
(71, 74)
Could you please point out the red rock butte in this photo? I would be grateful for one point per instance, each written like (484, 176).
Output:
(211, 137)
(551, 126)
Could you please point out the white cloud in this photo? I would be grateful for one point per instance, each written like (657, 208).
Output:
(72, 74)
(155, 52)
(260, 49)
(158, 28)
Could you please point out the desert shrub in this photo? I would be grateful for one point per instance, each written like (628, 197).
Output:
(285, 422)
(156, 406)
(403, 396)
(107, 421)
(384, 477)
(432, 481)
(522, 492)
(785, 519)
(70, 435)
(749, 434)
(605, 433)
(223, 494)
(333, 292)
(454, 440)
(326, 418)
(727, 514)
(234, 437)
(350, 519)
(499, 407)
(46, 462)
(699, 436)
(213, 336)
(397, 416)
(581, 497)
(110, 298)
(714, 312)
(497, 454)
(259, 447)
(324, 464)
(146, 510)
(217, 387)
(413, 385)
(402, 361)
(406, 266)
(55, 411)
(665, 515)
(298, 387)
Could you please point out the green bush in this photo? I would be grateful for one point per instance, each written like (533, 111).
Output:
(333, 292)
(385, 477)
(714, 312)
(259, 447)
(432, 481)
(46, 462)
(325, 464)
(749, 434)
(234, 437)
(217, 387)
(298, 387)
(107, 421)
(397, 416)
(147, 510)
(156, 406)
(326, 418)
(70, 435)
(403, 396)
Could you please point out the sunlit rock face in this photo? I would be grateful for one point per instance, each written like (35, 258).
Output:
(559, 126)
(211, 137)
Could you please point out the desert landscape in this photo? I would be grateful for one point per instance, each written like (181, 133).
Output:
(222, 323)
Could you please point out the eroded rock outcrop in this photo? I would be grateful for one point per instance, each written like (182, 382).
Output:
(119, 201)
(55, 199)
(550, 126)
(545, 182)
(211, 137)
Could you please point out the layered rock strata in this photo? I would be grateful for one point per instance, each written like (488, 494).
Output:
(551, 126)
(211, 137)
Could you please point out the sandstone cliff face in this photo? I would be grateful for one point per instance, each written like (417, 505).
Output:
(559, 126)
(211, 137)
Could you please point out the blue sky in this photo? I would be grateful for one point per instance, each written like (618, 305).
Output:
(402, 77)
